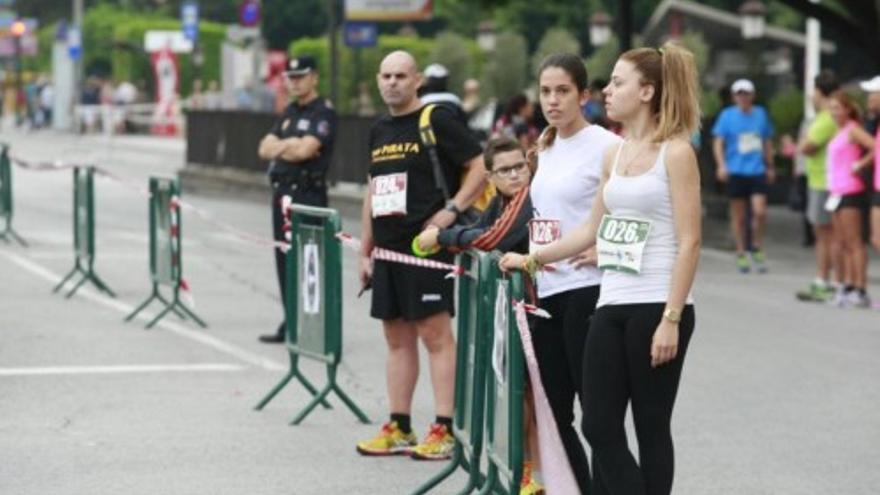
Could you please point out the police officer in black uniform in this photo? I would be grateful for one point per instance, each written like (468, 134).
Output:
(299, 148)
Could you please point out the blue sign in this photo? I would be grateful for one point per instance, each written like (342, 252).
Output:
(74, 42)
(189, 20)
(249, 13)
(361, 34)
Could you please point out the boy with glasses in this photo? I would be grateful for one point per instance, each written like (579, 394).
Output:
(504, 224)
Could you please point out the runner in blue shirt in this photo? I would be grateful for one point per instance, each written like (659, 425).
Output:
(744, 157)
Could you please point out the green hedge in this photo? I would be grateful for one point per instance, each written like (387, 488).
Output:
(134, 65)
(362, 64)
(113, 42)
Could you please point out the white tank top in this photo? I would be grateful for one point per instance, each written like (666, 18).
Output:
(645, 197)
(562, 192)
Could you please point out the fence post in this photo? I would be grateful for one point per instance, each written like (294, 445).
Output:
(166, 266)
(314, 305)
(84, 233)
(470, 374)
(6, 197)
(504, 411)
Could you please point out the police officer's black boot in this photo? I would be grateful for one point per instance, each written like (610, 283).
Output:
(274, 338)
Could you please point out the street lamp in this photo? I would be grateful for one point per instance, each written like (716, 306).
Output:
(752, 12)
(486, 36)
(18, 29)
(600, 28)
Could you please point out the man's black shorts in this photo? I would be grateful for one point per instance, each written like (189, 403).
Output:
(411, 292)
(876, 200)
(746, 186)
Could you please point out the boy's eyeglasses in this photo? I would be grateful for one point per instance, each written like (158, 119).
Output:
(510, 171)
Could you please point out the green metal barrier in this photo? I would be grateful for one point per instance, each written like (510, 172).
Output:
(6, 197)
(166, 267)
(472, 355)
(506, 375)
(84, 233)
(314, 305)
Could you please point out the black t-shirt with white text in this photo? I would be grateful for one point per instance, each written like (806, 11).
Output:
(396, 149)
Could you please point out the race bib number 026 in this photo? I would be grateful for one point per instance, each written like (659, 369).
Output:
(620, 243)
(388, 194)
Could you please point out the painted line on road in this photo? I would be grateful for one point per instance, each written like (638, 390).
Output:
(106, 370)
(123, 308)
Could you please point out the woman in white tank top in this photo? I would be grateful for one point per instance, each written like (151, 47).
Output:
(645, 224)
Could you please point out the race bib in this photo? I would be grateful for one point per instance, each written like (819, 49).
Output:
(833, 203)
(388, 193)
(620, 243)
(543, 231)
(748, 142)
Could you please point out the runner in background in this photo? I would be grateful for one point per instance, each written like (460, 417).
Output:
(743, 153)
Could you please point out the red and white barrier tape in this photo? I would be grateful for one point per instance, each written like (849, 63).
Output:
(532, 309)
(42, 166)
(245, 236)
(143, 191)
(395, 257)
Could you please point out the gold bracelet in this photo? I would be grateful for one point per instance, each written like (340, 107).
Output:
(531, 265)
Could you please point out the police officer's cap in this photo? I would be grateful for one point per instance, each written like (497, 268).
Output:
(300, 66)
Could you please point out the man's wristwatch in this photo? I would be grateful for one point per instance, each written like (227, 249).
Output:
(450, 206)
(672, 315)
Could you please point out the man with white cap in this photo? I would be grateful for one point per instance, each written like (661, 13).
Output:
(435, 89)
(744, 157)
(872, 87)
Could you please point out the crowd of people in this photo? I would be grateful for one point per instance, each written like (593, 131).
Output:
(604, 222)
(842, 166)
(597, 199)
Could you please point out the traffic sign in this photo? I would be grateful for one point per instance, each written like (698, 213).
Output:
(361, 34)
(74, 42)
(249, 13)
(189, 20)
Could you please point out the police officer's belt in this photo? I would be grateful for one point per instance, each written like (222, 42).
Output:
(303, 180)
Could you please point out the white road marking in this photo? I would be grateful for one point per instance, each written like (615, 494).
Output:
(102, 370)
(123, 308)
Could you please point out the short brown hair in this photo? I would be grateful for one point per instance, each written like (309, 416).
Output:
(500, 144)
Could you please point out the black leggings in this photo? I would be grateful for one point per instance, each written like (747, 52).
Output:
(559, 349)
(617, 371)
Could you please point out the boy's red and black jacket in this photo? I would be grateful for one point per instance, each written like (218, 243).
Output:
(503, 226)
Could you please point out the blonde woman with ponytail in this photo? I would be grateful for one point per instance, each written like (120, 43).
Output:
(645, 224)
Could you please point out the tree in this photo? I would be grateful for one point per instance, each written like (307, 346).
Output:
(601, 62)
(285, 21)
(452, 51)
(556, 40)
(506, 69)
